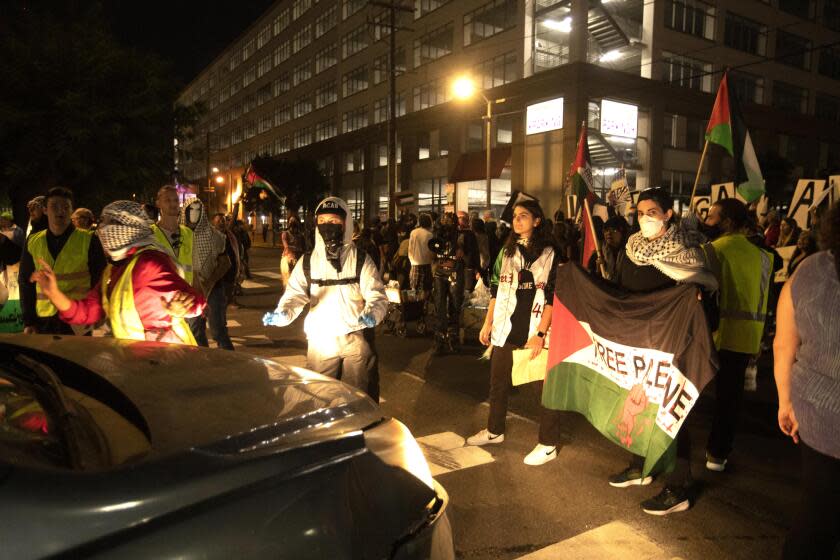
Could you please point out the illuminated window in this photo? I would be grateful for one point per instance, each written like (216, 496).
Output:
(490, 19)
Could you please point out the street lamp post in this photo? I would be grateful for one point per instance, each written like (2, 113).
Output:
(464, 88)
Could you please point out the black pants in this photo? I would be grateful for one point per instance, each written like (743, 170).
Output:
(53, 325)
(681, 475)
(816, 528)
(729, 396)
(373, 380)
(501, 365)
(449, 298)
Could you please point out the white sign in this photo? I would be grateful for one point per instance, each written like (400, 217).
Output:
(701, 206)
(619, 119)
(807, 191)
(545, 116)
(725, 190)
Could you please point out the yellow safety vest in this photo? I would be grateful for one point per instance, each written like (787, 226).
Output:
(122, 315)
(745, 274)
(71, 267)
(184, 259)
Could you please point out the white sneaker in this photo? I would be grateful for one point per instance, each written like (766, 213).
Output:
(484, 437)
(541, 455)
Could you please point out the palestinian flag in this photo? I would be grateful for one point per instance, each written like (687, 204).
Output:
(726, 128)
(632, 364)
(256, 181)
(581, 179)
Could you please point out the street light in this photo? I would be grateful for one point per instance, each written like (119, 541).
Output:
(464, 88)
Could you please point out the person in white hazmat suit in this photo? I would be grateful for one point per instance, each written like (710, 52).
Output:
(345, 296)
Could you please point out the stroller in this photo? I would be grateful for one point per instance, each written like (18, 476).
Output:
(405, 306)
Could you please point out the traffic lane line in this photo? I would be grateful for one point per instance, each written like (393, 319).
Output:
(613, 540)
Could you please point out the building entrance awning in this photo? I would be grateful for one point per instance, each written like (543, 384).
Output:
(471, 166)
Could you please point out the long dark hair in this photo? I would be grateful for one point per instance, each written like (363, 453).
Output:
(541, 236)
(831, 235)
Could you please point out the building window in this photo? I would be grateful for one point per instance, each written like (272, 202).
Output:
(249, 76)
(745, 34)
(265, 123)
(264, 66)
(282, 115)
(302, 106)
(354, 41)
(423, 7)
(299, 8)
(433, 45)
(281, 85)
(303, 72)
(788, 97)
(282, 52)
(235, 59)
(793, 50)
(829, 63)
(326, 21)
(281, 22)
(354, 161)
(325, 94)
(354, 81)
(489, 19)
(801, 8)
(687, 72)
(350, 7)
(326, 58)
(430, 94)
(354, 119)
(691, 16)
(669, 130)
(831, 14)
(325, 130)
(248, 49)
(302, 38)
(250, 129)
(264, 36)
(380, 108)
(380, 66)
(497, 71)
(302, 137)
(827, 108)
(264, 94)
(747, 87)
(504, 129)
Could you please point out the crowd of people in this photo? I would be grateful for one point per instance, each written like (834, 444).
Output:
(168, 271)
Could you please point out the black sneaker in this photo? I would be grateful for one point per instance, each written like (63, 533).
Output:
(630, 476)
(671, 500)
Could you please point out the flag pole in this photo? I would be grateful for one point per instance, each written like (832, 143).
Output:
(697, 177)
(595, 238)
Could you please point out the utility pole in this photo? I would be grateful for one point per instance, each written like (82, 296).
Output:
(393, 7)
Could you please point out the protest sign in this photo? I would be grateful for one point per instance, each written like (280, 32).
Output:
(807, 192)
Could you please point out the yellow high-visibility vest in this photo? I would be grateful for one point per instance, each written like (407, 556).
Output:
(184, 259)
(71, 267)
(122, 314)
(745, 275)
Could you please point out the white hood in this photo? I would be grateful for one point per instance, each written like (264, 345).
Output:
(320, 248)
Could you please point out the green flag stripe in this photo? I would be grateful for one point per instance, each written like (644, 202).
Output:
(722, 135)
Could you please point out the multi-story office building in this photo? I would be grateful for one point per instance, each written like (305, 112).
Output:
(309, 79)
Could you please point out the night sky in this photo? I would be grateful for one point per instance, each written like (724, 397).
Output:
(190, 33)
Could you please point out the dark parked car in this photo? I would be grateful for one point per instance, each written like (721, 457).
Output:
(122, 449)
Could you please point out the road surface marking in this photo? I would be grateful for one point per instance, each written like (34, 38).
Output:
(248, 284)
(511, 414)
(257, 336)
(613, 540)
(233, 323)
(446, 452)
(272, 275)
(412, 376)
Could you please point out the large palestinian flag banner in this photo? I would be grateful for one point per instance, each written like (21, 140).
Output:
(632, 364)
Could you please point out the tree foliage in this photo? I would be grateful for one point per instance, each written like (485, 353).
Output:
(80, 110)
(299, 182)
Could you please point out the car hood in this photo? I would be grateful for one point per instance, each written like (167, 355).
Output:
(187, 397)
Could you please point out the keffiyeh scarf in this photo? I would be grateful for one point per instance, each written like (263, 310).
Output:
(208, 242)
(125, 226)
(677, 254)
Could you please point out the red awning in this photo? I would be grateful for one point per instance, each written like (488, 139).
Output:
(471, 166)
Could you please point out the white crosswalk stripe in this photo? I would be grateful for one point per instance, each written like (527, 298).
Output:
(613, 540)
(233, 323)
(267, 274)
(249, 284)
(446, 452)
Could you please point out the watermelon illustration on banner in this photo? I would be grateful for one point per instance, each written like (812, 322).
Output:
(633, 364)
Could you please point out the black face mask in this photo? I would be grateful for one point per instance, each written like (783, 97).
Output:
(333, 234)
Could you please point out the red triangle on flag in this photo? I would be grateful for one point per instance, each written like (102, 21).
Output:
(567, 334)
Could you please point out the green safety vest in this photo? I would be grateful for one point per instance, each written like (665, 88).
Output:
(71, 267)
(745, 275)
(184, 259)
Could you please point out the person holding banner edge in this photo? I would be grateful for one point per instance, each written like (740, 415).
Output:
(519, 317)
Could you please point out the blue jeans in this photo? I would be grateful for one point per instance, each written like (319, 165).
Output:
(217, 316)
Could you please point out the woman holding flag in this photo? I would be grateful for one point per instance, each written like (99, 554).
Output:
(519, 317)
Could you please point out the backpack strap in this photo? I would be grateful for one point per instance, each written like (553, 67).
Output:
(307, 270)
(361, 256)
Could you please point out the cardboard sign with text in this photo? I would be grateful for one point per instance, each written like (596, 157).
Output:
(807, 192)
(725, 190)
(701, 206)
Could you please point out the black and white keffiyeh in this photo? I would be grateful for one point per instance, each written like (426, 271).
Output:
(125, 225)
(677, 254)
(208, 242)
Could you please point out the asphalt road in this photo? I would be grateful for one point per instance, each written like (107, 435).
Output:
(503, 509)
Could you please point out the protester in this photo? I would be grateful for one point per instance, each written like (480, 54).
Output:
(210, 264)
(518, 317)
(140, 291)
(12, 240)
(491, 230)
(420, 256)
(400, 263)
(788, 233)
(228, 281)
(616, 231)
(773, 229)
(390, 243)
(37, 215)
(83, 218)
(345, 295)
(294, 245)
(448, 290)
(74, 255)
(240, 230)
(745, 273)
(661, 255)
(364, 242)
(564, 240)
(807, 369)
(806, 245)
(469, 244)
(483, 244)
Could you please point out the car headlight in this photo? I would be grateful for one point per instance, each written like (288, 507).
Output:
(393, 443)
